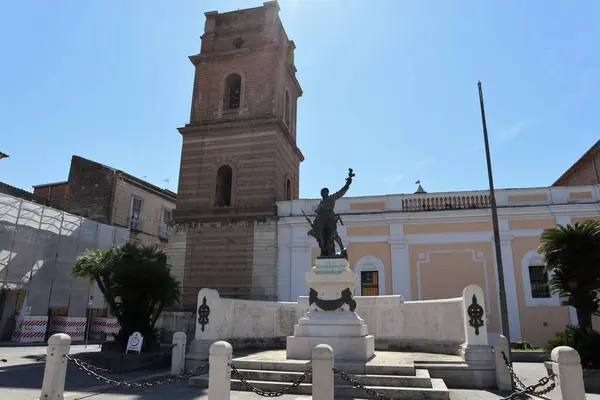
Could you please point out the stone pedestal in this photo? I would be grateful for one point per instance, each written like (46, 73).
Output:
(331, 319)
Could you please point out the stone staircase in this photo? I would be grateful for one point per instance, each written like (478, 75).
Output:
(398, 381)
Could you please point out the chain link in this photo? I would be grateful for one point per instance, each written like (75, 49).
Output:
(90, 372)
(266, 393)
(521, 389)
(113, 371)
(358, 385)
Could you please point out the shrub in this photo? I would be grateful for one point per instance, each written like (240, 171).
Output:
(587, 344)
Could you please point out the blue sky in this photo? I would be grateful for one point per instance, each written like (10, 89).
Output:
(390, 86)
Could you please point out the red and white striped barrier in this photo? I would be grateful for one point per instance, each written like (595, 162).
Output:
(101, 328)
(31, 329)
(72, 326)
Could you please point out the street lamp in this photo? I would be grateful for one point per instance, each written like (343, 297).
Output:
(501, 288)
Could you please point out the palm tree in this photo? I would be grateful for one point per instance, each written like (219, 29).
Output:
(136, 283)
(572, 253)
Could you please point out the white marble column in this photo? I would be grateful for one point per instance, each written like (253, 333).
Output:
(510, 286)
(301, 259)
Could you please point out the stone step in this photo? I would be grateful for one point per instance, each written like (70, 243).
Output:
(436, 391)
(421, 379)
(405, 369)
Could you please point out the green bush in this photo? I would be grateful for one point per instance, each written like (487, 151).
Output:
(587, 344)
(521, 345)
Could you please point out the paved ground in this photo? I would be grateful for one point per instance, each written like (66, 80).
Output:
(21, 379)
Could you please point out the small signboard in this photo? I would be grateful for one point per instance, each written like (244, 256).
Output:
(135, 342)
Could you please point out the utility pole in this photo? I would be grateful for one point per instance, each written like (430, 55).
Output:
(501, 289)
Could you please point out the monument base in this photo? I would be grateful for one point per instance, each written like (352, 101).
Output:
(360, 348)
(331, 319)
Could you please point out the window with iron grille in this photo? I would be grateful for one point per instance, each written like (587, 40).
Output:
(164, 227)
(538, 279)
(369, 283)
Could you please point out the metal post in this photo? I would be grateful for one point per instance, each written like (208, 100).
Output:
(501, 288)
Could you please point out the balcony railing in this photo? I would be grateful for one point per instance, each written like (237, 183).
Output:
(135, 224)
(439, 203)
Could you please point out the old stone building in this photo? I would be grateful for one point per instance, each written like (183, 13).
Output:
(585, 171)
(110, 196)
(239, 156)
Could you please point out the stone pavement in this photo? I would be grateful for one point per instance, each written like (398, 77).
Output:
(21, 379)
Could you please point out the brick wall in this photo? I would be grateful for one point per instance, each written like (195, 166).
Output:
(90, 190)
(584, 173)
(234, 249)
(55, 193)
(22, 194)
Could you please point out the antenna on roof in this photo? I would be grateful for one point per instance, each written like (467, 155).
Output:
(145, 177)
(166, 180)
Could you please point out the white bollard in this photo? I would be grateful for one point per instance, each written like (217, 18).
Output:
(503, 378)
(178, 355)
(219, 373)
(322, 372)
(55, 371)
(566, 365)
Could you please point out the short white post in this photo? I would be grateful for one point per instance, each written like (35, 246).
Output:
(322, 372)
(503, 378)
(178, 355)
(219, 373)
(474, 319)
(566, 365)
(55, 371)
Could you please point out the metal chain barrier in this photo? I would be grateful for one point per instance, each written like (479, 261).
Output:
(113, 371)
(266, 393)
(521, 389)
(358, 385)
(88, 371)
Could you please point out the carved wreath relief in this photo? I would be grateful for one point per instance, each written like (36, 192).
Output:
(332, 305)
(475, 313)
(203, 313)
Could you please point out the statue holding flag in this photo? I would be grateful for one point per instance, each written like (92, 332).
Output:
(324, 226)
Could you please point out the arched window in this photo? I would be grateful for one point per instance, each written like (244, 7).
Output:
(287, 108)
(288, 189)
(233, 92)
(223, 186)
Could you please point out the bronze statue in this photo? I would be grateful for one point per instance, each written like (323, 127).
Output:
(324, 227)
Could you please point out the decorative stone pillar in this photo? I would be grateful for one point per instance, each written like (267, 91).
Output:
(566, 366)
(322, 372)
(475, 350)
(208, 317)
(178, 353)
(55, 371)
(219, 374)
(503, 378)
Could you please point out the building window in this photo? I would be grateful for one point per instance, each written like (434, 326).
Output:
(369, 283)
(223, 186)
(287, 108)
(164, 226)
(233, 92)
(135, 219)
(288, 189)
(538, 279)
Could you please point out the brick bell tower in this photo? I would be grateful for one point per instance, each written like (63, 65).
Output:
(239, 156)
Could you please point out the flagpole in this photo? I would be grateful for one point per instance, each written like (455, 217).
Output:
(501, 288)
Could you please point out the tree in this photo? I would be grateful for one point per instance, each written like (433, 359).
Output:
(572, 253)
(136, 283)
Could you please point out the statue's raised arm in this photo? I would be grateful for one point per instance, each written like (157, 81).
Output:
(344, 189)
